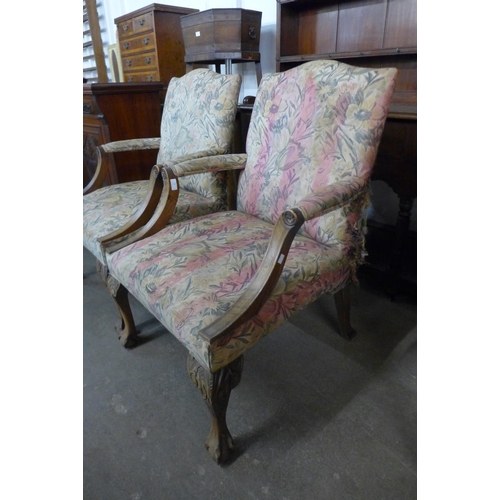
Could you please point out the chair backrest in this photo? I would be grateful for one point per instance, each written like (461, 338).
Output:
(311, 126)
(199, 114)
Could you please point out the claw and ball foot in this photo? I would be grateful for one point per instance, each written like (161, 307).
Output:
(216, 389)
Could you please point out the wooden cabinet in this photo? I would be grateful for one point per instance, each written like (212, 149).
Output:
(369, 33)
(151, 43)
(226, 36)
(119, 111)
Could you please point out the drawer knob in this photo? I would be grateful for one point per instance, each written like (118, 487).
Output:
(149, 78)
(148, 60)
(145, 41)
(125, 27)
(130, 78)
(252, 33)
(141, 22)
(128, 62)
(126, 45)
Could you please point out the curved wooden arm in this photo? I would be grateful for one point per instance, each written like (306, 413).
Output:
(264, 281)
(161, 216)
(145, 212)
(170, 192)
(99, 174)
(116, 147)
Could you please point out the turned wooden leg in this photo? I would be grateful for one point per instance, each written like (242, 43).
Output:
(216, 389)
(343, 304)
(126, 330)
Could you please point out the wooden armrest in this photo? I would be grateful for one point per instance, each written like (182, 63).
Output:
(116, 147)
(159, 200)
(145, 212)
(264, 281)
(169, 195)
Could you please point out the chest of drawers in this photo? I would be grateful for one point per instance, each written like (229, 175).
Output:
(151, 43)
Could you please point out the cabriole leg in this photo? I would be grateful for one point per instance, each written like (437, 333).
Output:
(127, 331)
(216, 389)
(343, 304)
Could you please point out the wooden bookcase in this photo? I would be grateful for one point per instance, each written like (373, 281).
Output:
(368, 33)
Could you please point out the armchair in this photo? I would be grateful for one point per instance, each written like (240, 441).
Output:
(221, 282)
(198, 120)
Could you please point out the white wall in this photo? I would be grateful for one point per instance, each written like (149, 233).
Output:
(385, 203)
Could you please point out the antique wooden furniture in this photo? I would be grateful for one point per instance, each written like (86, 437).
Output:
(114, 112)
(198, 120)
(222, 36)
(371, 34)
(151, 44)
(221, 282)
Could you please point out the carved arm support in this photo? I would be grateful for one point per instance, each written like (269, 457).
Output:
(253, 298)
(169, 194)
(116, 147)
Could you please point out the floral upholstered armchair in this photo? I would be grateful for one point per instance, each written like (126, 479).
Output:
(221, 282)
(198, 120)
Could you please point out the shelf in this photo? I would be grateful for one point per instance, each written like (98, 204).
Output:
(348, 55)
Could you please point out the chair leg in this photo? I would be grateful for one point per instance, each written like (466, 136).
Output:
(343, 304)
(102, 270)
(126, 329)
(216, 389)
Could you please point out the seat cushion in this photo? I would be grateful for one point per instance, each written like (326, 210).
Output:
(109, 208)
(191, 273)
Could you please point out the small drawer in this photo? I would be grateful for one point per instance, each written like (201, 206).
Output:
(143, 23)
(143, 61)
(125, 28)
(149, 76)
(137, 44)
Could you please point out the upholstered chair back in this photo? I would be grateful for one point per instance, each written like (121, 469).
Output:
(199, 114)
(312, 126)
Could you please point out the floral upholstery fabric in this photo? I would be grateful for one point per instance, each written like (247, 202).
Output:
(311, 126)
(109, 208)
(313, 134)
(198, 117)
(190, 273)
(199, 113)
